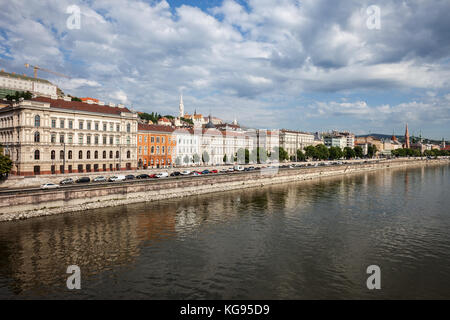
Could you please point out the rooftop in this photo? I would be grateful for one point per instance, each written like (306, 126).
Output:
(81, 106)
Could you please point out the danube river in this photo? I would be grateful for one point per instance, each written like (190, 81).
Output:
(306, 240)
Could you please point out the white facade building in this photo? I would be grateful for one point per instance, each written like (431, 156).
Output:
(15, 82)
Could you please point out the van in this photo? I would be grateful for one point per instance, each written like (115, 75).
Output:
(238, 168)
(116, 178)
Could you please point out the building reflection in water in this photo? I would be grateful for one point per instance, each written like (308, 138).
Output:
(34, 254)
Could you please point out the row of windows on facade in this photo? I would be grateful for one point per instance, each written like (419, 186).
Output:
(153, 139)
(25, 83)
(37, 138)
(37, 123)
(153, 148)
(155, 161)
(37, 155)
(37, 169)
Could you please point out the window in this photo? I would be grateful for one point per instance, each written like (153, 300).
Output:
(104, 127)
(140, 138)
(36, 155)
(80, 154)
(104, 154)
(96, 126)
(145, 150)
(145, 138)
(162, 139)
(111, 140)
(69, 138)
(88, 154)
(61, 123)
(140, 150)
(117, 140)
(52, 155)
(152, 139)
(53, 123)
(88, 139)
(128, 154)
(104, 139)
(157, 150)
(162, 150)
(69, 154)
(37, 137)
(89, 125)
(110, 154)
(61, 154)
(96, 139)
(152, 150)
(61, 138)
(128, 140)
(118, 127)
(117, 154)
(37, 121)
(157, 139)
(111, 126)
(70, 124)
(80, 125)
(96, 155)
(128, 128)
(80, 139)
(53, 138)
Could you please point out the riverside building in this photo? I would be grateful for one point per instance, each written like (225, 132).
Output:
(12, 82)
(52, 136)
(156, 146)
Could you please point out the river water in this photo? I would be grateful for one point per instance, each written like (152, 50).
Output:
(306, 240)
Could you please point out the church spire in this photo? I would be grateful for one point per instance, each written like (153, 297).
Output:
(407, 145)
(181, 106)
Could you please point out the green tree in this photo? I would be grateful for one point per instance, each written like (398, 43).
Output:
(335, 153)
(205, 157)
(19, 94)
(259, 155)
(358, 151)
(186, 159)
(372, 150)
(311, 152)
(5, 164)
(322, 152)
(349, 153)
(282, 154)
(195, 158)
(300, 155)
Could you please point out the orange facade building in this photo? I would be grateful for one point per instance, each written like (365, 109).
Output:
(156, 146)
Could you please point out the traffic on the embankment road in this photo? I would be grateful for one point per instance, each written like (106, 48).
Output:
(97, 180)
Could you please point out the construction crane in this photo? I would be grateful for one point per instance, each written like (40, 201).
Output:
(36, 68)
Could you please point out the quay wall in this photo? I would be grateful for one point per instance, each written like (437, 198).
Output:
(22, 205)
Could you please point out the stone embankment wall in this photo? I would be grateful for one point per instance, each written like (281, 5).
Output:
(41, 203)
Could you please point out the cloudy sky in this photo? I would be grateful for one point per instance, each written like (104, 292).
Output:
(309, 65)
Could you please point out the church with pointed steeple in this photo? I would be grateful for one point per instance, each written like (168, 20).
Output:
(406, 144)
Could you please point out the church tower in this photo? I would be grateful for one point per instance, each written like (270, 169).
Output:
(407, 145)
(181, 107)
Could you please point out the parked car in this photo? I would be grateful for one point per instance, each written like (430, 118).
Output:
(130, 177)
(116, 178)
(50, 186)
(83, 180)
(67, 181)
(214, 171)
(224, 170)
(162, 175)
(196, 173)
(152, 176)
(238, 168)
(142, 176)
(230, 170)
(185, 172)
(206, 171)
(175, 174)
(99, 179)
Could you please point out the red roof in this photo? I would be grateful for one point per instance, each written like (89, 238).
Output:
(154, 127)
(446, 148)
(80, 106)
